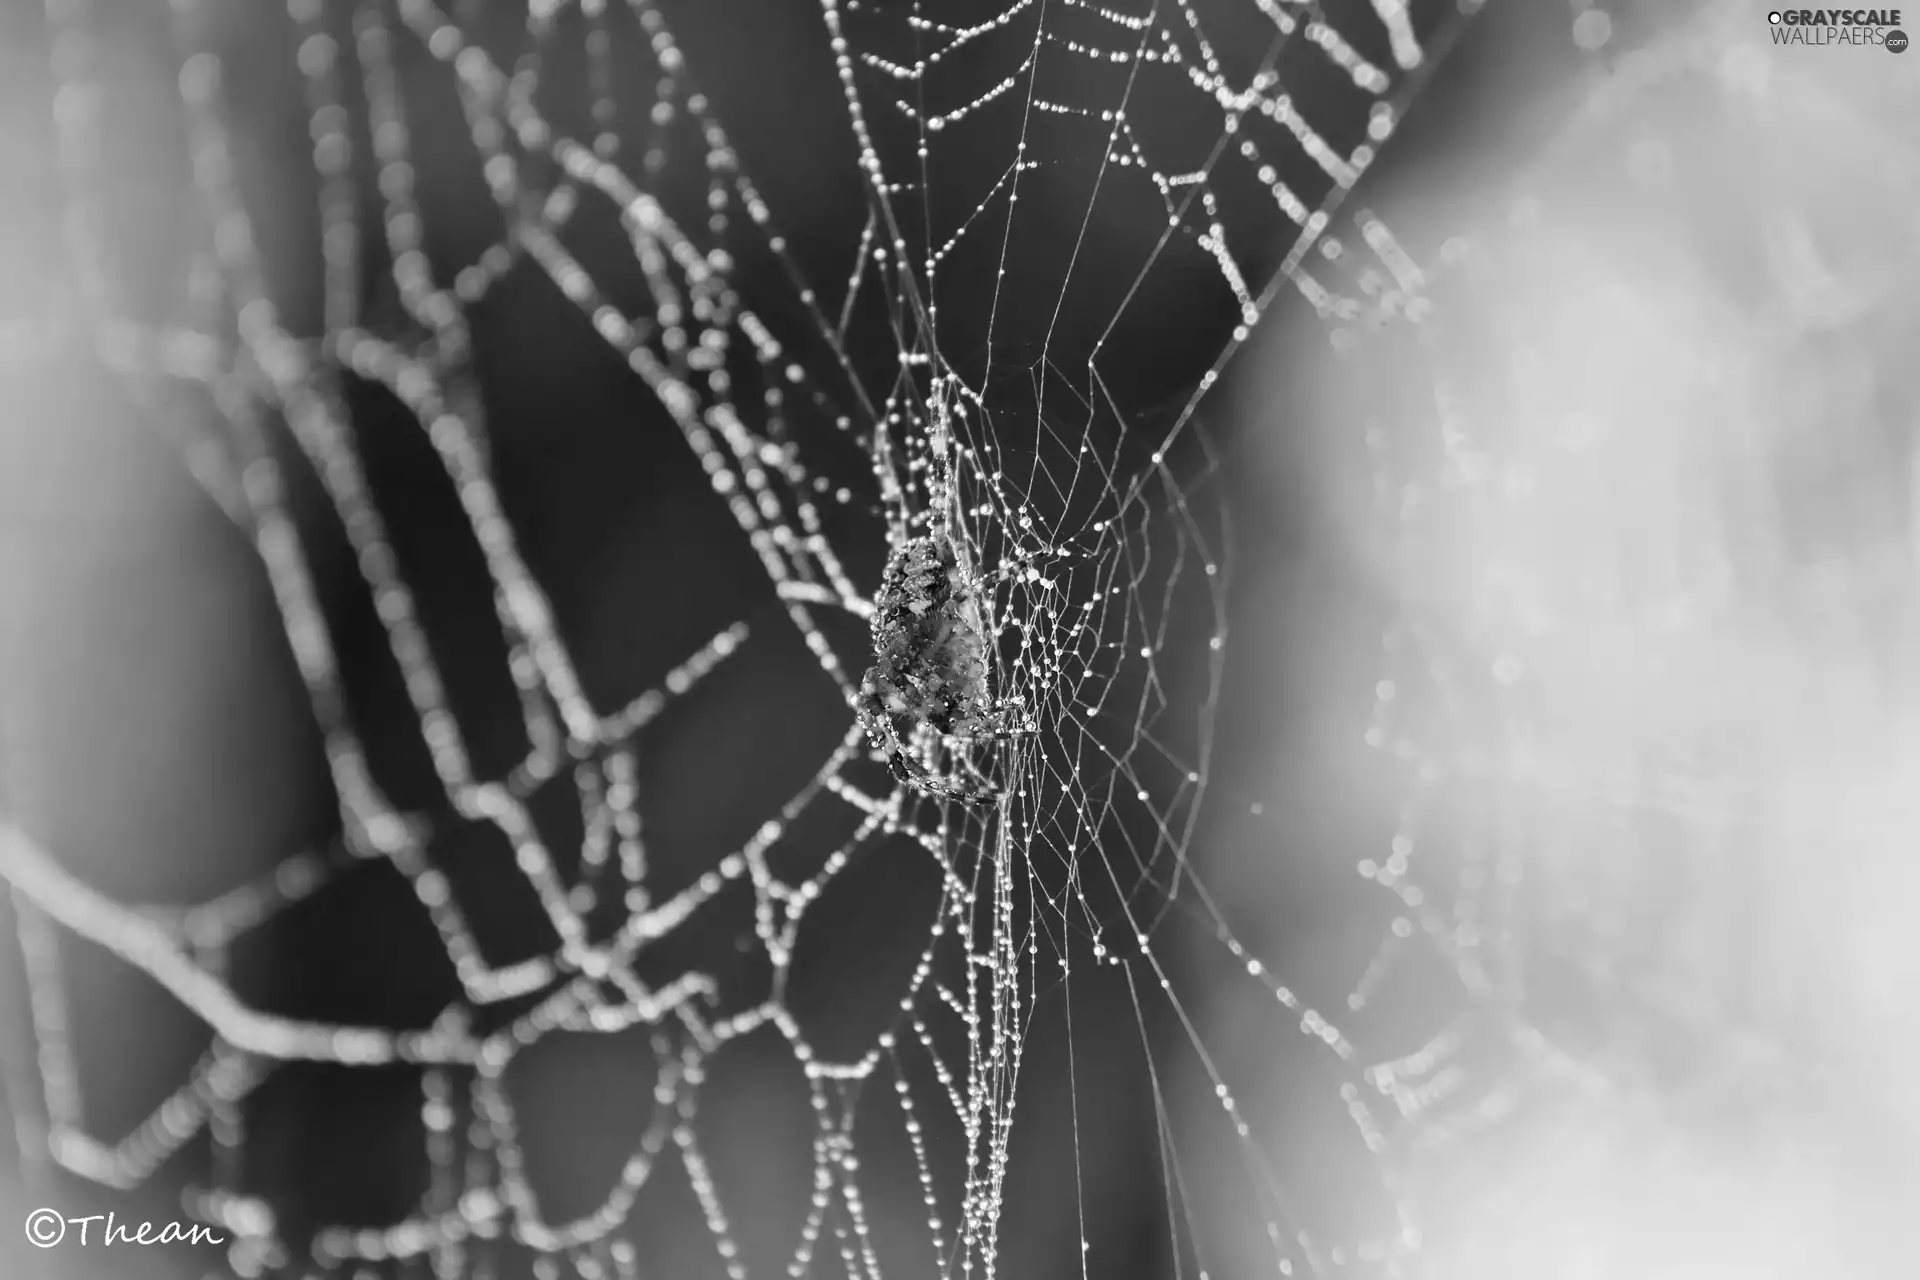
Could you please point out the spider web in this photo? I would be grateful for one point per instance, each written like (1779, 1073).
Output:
(1166, 146)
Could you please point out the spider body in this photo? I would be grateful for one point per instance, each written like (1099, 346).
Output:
(927, 690)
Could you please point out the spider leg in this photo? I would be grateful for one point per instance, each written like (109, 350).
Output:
(910, 769)
(909, 772)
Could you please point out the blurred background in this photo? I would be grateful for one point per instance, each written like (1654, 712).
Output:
(1634, 508)
(1598, 862)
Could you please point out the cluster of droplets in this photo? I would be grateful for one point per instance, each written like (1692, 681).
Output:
(1176, 38)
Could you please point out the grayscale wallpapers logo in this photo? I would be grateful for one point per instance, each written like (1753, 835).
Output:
(1839, 26)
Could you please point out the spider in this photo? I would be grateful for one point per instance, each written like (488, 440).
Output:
(928, 692)
(927, 688)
